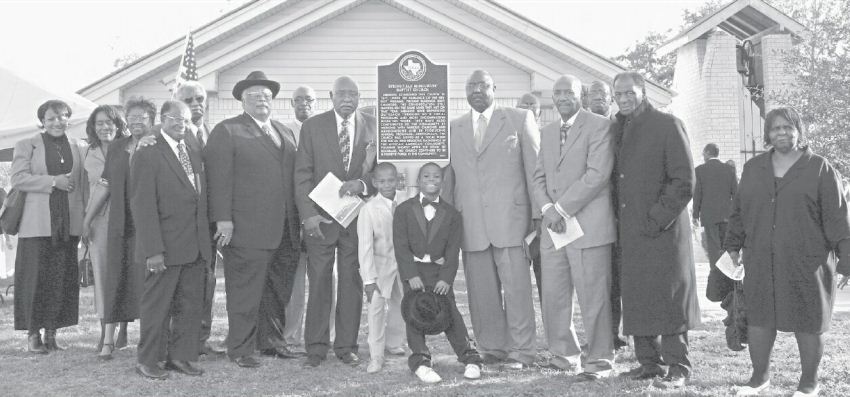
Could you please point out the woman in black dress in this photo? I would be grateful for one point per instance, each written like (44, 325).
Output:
(47, 167)
(791, 220)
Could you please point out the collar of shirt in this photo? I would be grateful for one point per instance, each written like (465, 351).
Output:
(339, 119)
(389, 203)
(569, 122)
(261, 124)
(172, 143)
(488, 114)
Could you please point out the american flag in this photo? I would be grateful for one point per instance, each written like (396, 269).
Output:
(188, 70)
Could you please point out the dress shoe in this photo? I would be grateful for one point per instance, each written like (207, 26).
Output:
(491, 359)
(279, 352)
(427, 375)
(184, 367)
(50, 340)
(812, 393)
(210, 350)
(396, 351)
(313, 361)
(34, 344)
(375, 365)
(588, 376)
(246, 362)
(752, 391)
(645, 372)
(472, 371)
(106, 352)
(670, 382)
(619, 343)
(151, 372)
(297, 349)
(514, 365)
(349, 358)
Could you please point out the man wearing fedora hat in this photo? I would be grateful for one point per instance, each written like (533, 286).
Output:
(250, 164)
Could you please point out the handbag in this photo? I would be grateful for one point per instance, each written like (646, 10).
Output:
(12, 211)
(86, 270)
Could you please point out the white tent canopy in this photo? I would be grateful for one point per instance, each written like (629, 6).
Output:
(19, 100)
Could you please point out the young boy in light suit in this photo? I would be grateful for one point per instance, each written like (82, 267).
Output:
(379, 270)
(427, 233)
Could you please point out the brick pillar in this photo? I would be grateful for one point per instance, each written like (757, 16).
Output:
(778, 80)
(709, 90)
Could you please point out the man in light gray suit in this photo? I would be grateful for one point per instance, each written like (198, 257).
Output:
(572, 180)
(494, 152)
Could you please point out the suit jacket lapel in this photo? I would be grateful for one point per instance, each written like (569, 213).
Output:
(435, 223)
(258, 132)
(795, 171)
(360, 133)
(173, 162)
(573, 134)
(466, 132)
(332, 137)
(497, 122)
(419, 214)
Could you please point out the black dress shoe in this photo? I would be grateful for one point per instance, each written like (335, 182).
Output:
(34, 344)
(313, 361)
(349, 358)
(184, 367)
(646, 372)
(670, 382)
(246, 362)
(279, 352)
(619, 343)
(151, 372)
(50, 340)
(210, 350)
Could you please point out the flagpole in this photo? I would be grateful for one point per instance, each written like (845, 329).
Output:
(180, 65)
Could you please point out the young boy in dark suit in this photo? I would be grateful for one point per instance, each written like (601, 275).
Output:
(426, 235)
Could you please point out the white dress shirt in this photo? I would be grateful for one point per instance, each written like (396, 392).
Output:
(430, 213)
(488, 115)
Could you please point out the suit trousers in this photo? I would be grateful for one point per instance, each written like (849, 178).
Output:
(280, 278)
(321, 254)
(293, 330)
(209, 291)
(456, 333)
(587, 272)
(616, 305)
(171, 313)
(386, 326)
(501, 330)
(718, 285)
(670, 350)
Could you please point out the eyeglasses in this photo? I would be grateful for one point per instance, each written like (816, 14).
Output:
(256, 96)
(105, 123)
(177, 119)
(138, 118)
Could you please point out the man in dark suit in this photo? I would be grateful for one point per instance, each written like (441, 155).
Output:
(338, 141)
(715, 188)
(250, 159)
(169, 206)
(194, 95)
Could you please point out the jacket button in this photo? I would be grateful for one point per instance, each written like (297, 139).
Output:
(622, 176)
(623, 205)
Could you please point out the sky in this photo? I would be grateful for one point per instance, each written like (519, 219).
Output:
(66, 45)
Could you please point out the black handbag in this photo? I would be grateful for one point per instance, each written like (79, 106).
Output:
(12, 211)
(86, 270)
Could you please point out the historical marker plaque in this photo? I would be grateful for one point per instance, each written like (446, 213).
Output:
(413, 110)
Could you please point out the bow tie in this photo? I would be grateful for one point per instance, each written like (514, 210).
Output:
(426, 202)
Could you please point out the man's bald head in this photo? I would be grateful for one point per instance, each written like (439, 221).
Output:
(345, 95)
(480, 90)
(531, 102)
(303, 99)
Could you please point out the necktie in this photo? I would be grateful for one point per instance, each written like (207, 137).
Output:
(480, 131)
(344, 143)
(565, 132)
(430, 209)
(273, 135)
(200, 135)
(183, 156)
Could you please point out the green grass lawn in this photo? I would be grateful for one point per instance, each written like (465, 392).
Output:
(77, 372)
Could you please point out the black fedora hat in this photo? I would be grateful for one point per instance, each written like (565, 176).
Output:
(426, 311)
(255, 78)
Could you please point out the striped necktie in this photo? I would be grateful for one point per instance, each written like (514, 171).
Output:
(183, 156)
(344, 143)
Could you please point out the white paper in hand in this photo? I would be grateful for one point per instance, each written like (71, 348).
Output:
(326, 194)
(572, 233)
(727, 267)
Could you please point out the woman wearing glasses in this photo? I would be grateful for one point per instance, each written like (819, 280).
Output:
(105, 124)
(123, 280)
(47, 167)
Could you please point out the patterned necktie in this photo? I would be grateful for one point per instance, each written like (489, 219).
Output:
(273, 135)
(565, 132)
(183, 156)
(480, 131)
(344, 143)
(200, 135)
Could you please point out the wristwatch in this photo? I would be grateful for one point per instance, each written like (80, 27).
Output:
(53, 185)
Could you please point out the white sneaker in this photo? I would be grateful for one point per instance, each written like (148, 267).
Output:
(427, 375)
(812, 393)
(374, 366)
(752, 391)
(472, 371)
